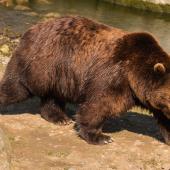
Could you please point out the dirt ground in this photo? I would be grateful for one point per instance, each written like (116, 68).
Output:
(39, 145)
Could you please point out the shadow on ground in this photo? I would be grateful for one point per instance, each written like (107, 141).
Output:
(134, 122)
(29, 106)
(131, 121)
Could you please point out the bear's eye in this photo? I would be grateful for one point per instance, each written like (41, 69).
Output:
(159, 68)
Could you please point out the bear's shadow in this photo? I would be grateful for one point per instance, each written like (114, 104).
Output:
(131, 121)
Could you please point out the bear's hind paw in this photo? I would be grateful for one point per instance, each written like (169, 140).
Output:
(57, 119)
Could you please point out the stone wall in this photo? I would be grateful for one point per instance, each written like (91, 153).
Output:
(158, 1)
(162, 6)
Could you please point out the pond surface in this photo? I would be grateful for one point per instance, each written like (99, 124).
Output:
(121, 17)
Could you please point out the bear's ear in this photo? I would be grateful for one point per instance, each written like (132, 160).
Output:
(159, 68)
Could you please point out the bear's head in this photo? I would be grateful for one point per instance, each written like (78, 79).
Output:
(148, 69)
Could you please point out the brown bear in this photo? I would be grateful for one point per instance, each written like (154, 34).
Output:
(103, 69)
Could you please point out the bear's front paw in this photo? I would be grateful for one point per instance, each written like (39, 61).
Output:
(103, 139)
(96, 139)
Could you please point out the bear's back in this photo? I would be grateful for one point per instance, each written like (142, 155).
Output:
(59, 53)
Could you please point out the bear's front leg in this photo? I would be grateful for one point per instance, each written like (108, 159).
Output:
(90, 119)
(164, 125)
(98, 108)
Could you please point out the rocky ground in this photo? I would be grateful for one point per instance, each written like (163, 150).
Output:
(40, 145)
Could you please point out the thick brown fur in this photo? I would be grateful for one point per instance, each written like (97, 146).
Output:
(103, 69)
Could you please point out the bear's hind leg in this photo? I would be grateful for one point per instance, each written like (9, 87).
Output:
(12, 91)
(53, 111)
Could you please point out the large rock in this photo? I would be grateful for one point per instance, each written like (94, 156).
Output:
(4, 152)
(162, 6)
(158, 1)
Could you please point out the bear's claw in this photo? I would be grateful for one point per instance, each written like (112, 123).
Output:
(64, 122)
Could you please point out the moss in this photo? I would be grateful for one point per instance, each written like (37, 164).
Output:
(140, 110)
(139, 4)
(59, 154)
(62, 154)
(8, 41)
(50, 153)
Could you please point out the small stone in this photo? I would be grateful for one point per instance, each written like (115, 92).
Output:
(5, 49)
(22, 8)
(5, 60)
(52, 15)
(31, 13)
(22, 2)
(15, 40)
(43, 1)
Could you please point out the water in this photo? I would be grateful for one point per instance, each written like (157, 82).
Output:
(120, 17)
